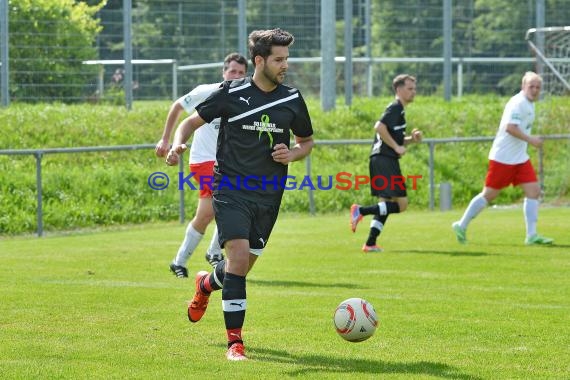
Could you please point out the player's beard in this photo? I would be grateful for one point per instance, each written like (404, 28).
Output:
(276, 79)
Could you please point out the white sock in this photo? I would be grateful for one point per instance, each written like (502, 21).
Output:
(477, 204)
(376, 224)
(214, 248)
(530, 215)
(382, 208)
(191, 241)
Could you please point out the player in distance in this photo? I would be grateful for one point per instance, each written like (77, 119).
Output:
(509, 162)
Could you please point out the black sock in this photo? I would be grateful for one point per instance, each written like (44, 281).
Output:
(234, 302)
(372, 236)
(369, 210)
(392, 208)
(215, 278)
(375, 232)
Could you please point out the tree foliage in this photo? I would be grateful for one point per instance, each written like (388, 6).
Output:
(49, 39)
(480, 28)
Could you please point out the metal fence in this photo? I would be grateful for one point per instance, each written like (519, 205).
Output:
(39, 153)
(384, 36)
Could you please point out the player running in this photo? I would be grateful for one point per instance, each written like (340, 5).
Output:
(509, 162)
(259, 114)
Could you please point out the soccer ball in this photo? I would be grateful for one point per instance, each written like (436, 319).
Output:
(355, 320)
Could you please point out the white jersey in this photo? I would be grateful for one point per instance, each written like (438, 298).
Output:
(506, 148)
(204, 140)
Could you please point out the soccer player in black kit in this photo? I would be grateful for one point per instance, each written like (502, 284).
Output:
(258, 115)
(389, 146)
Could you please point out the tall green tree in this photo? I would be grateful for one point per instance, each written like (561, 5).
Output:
(408, 28)
(499, 27)
(49, 39)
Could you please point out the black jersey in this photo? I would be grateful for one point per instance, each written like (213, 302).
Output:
(252, 123)
(394, 118)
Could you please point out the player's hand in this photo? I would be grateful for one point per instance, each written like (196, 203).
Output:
(535, 141)
(401, 150)
(174, 154)
(416, 135)
(161, 149)
(281, 154)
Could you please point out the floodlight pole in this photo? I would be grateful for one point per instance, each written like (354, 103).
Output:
(447, 47)
(539, 36)
(328, 82)
(128, 53)
(348, 52)
(4, 66)
(242, 28)
(368, 39)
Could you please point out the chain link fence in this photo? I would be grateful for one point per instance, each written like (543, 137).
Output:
(49, 62)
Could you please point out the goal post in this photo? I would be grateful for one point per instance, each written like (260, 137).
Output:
(551, 45)
(553, 50)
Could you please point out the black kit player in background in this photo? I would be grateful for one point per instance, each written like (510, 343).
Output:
(389, 146)
(258, 114)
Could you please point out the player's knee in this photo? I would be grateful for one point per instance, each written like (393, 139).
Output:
(490, 194)
(202, 219)
(403, 204)
(533, 192)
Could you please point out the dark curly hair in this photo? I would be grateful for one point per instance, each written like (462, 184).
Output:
(261, 41)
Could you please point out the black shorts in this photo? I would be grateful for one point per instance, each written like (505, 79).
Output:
(238, 218)
(386, 179)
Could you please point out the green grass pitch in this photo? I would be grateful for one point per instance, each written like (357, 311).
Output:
(102, 304)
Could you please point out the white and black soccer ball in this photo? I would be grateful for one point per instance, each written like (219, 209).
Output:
(355, 320)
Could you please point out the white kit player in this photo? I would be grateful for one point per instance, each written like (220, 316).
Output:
(509, 162)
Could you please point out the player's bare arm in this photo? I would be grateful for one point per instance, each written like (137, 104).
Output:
(515, 131)
(163, 146)
(183, 133)
(387, 139)
(303, 146)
